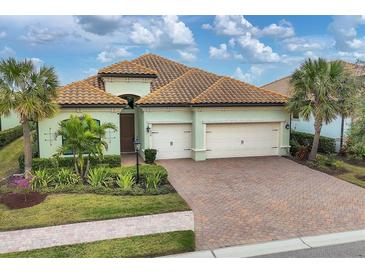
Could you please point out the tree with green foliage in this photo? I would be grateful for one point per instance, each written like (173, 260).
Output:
(322, 90)
(29, 91)
(84, 138)
(356, 137)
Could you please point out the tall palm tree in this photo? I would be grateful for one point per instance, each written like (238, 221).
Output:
(322, 90)
(83, 136)
(31, 93)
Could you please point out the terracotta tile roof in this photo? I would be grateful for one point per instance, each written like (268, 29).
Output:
(128, 68)
(183, 89)
(82, 93)
(232, 91)
(167, 70)
(281, 86)
(357, 70)
(95, 81)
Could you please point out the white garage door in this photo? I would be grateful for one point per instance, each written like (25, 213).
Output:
(172, 141)
(242, 140)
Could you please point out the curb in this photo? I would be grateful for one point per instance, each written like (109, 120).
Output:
(245, 251)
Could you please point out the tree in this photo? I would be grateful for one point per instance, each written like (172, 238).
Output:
(31, 93)
(356, 137)
(83, 136)
(322, 90)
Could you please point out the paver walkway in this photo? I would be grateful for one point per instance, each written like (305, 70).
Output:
(248, 200)
(27, 239)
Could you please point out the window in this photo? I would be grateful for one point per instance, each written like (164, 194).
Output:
(295, 115)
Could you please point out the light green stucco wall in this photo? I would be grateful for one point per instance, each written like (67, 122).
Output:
(9, 121)
(119, 86)
(199, 117)
(48, 148)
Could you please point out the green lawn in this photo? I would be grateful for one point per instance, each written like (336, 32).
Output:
(9, 157)
(350, 175)
(139, 246)
(70, 208)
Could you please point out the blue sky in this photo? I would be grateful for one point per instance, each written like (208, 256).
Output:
(255, 49)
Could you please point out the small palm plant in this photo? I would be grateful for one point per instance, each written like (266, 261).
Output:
(84, 137)
(99, 176)
(42, 178)
(31, 93)
(126, 181)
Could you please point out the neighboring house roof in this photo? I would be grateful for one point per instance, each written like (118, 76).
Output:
(176, 84)
(127, 69)
(282, 85)
(82, 93)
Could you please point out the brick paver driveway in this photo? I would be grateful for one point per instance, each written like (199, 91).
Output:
(246, 200)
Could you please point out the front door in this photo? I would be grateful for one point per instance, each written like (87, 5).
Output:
(126, 132)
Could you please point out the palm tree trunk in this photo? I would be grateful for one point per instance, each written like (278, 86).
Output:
(27, 148)
(317, 134)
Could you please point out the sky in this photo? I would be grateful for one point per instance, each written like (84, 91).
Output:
(254, 49)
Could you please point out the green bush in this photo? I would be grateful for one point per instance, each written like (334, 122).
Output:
(57, 162)
(9, 135)
(126, 181)
(66, 176)
(144, 172)
(150, 155)
(153, 181)
(42, 178)
(99, 176)
(326, 145)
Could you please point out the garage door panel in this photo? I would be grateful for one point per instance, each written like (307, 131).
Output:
(242, 140)
(172, 141)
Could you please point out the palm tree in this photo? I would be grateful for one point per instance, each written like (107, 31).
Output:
(322, 90)
(31, 93)
(83, 136)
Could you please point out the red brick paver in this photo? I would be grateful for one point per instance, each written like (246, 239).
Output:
(246, 200)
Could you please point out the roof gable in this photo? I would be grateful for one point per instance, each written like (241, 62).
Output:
(127, 69)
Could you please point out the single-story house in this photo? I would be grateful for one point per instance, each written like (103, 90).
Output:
(181, 111)
(337, 129)
(9, 121)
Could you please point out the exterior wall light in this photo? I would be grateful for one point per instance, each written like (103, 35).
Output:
(287, 126)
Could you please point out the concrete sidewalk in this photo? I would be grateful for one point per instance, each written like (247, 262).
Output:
(244, 251)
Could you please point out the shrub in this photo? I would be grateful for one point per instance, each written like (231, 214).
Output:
(126, 181)
(150, 155)
(42, 178)
(9, 135)
(99, 176)
(57, 162)
(153, 181)
(326, 145)
(66, 176)
(325, 160)
(294, 146)
(145, 171)
(303, 153)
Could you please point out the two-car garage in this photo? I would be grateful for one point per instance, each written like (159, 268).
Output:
(222, 140)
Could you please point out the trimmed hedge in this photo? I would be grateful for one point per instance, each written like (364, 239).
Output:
(9, 135)
(41, 163)
(326, 145)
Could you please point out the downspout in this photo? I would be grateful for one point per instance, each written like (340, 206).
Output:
(342, 129)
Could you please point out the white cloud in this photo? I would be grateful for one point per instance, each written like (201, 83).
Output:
(2, 34)
(90, 71)
(207, 26)
(344, 30)
(36, 34)
(179, 33)
(7, 52)
(253, 73)
(108, 56)
(99, 24)
(306, 44)
(254, 51)
(219, 53)
(232, 25)
(187, 56)
(37, 62)
(141, 35)
(283, 30)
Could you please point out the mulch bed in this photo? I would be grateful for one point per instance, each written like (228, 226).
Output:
(19, 200)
